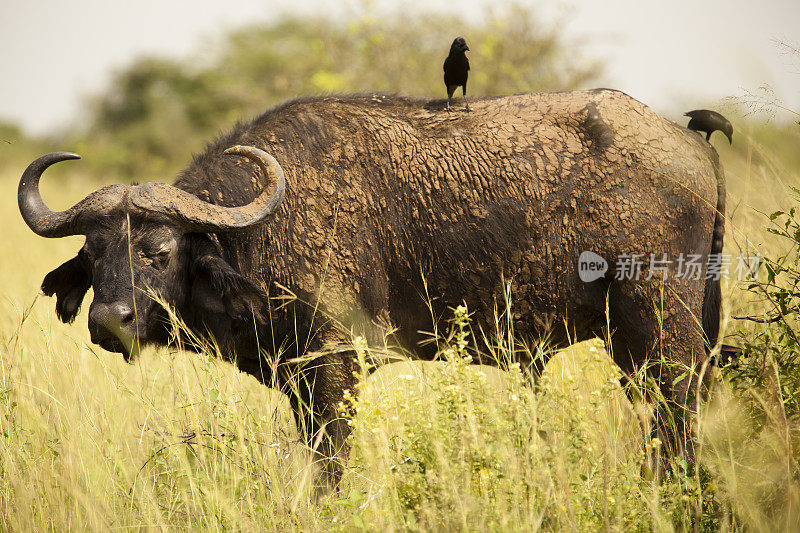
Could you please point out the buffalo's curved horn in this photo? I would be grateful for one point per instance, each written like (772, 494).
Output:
(43, 220)
(198, 215)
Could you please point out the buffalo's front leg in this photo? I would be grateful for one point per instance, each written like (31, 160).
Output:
(316, 389)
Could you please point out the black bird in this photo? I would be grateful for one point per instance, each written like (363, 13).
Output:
(709, 122)
(456, 70)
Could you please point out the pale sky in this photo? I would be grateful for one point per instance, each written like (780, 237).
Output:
(672, 55)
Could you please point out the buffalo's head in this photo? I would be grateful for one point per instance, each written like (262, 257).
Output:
(148, 244)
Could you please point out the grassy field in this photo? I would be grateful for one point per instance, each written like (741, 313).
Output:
(183, 441)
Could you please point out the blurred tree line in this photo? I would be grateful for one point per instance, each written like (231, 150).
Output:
(158, 111)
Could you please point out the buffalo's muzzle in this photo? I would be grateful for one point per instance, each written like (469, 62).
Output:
(113, 326)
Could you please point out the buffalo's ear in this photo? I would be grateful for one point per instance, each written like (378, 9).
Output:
(69, 283)
(218, 288)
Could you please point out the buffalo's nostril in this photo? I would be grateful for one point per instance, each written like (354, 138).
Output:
(122, 312)
(111, 316)
(97, 313)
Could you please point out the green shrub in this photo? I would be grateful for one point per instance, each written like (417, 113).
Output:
(461, 446)
(771, 351)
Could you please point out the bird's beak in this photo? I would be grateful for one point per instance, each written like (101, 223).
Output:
(730, 139)
(467, 48)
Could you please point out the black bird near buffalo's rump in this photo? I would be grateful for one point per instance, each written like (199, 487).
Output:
(376, 231)
(456, 70)
(709, 122)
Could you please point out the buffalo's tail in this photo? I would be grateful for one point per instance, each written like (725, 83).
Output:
(712, 298)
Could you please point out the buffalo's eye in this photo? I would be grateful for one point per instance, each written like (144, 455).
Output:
(158, 257)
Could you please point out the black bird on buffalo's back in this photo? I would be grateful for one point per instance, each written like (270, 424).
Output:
(709, 122)
(456, 70)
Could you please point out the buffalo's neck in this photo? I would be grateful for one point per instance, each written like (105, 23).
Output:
(248, 346)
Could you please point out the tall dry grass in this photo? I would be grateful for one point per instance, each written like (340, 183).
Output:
(183, 441)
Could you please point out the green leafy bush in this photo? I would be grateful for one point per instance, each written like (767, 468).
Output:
(465, 447)
(772, 348)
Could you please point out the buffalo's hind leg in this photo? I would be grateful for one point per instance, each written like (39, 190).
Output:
(316, 389)
(657, 326)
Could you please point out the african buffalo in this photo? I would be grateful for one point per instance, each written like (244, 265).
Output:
(388, 199)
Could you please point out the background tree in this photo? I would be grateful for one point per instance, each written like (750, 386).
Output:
(157, 111)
